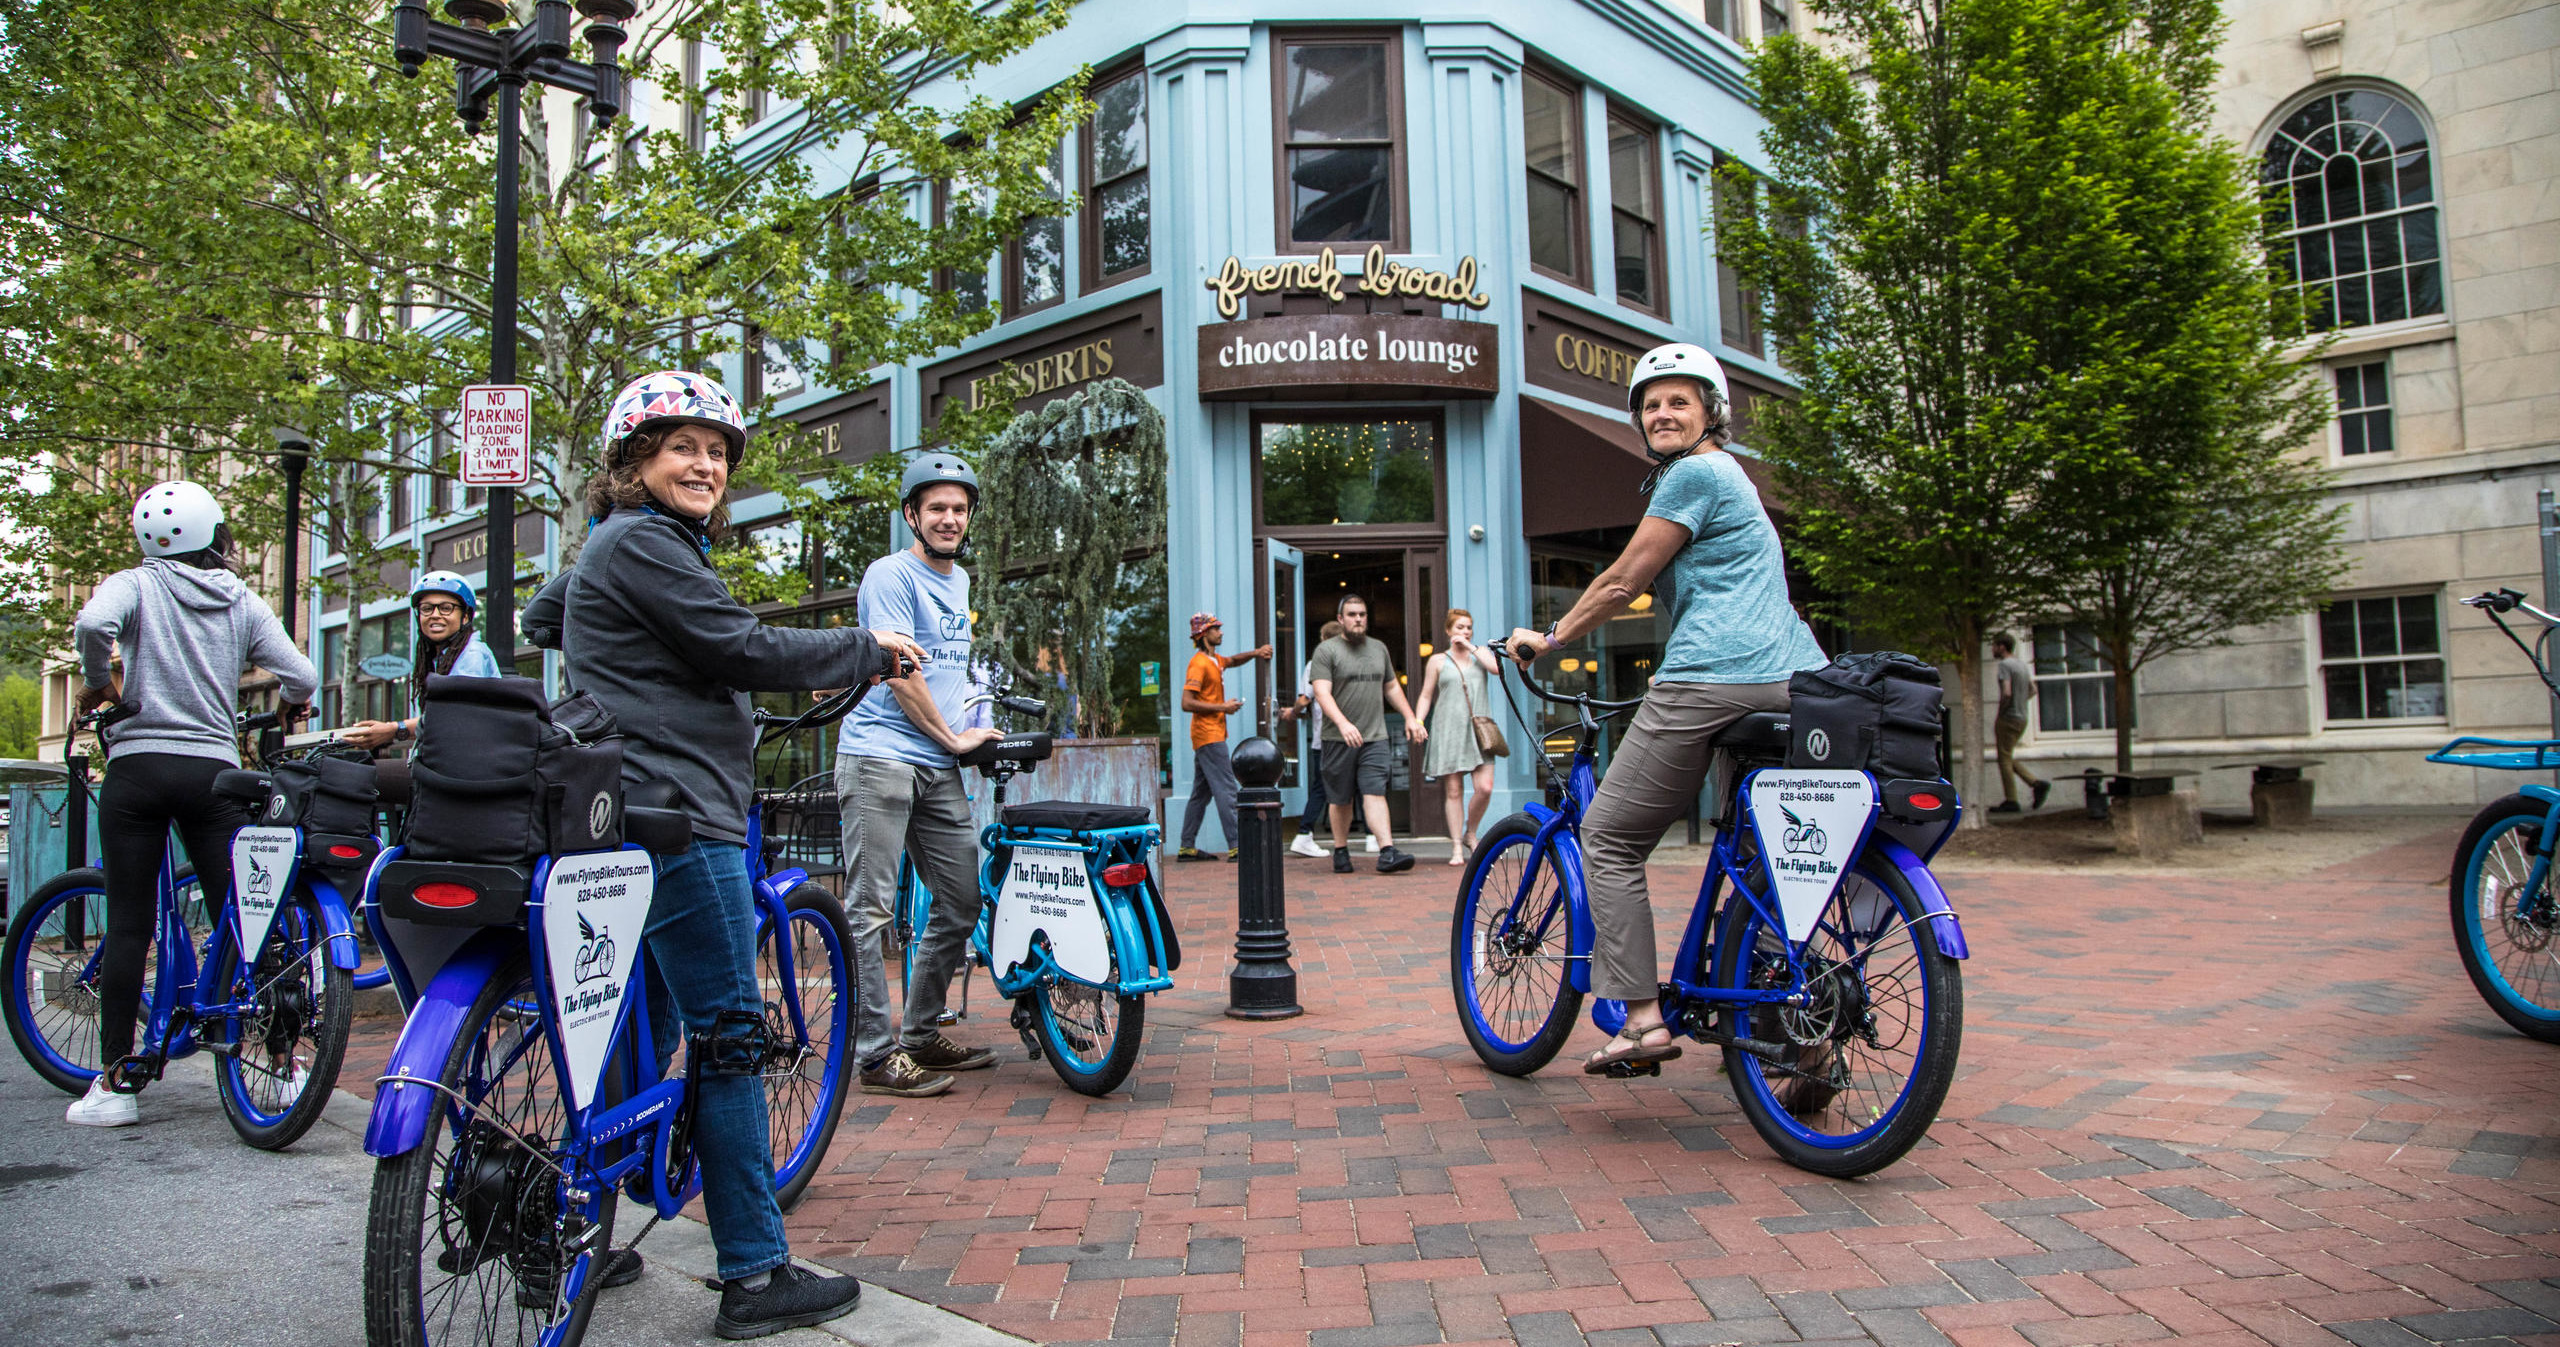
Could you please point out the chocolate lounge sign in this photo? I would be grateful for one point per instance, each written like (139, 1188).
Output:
(1349, 353)
(1322, 275)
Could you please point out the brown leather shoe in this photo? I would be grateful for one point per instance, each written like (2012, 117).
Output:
(944, 1055)
(898, 1074)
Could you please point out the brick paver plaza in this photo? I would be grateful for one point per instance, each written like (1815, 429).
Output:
(2217, 1110)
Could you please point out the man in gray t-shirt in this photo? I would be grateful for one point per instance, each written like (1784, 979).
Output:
(1354, 681)
(2017, 689)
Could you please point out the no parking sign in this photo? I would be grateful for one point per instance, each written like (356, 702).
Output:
(497, 435)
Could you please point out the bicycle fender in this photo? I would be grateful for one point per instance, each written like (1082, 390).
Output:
(2550, 824)
(1579, 939)
(402, 1110)
(340, 926)
(1933, 899)
(781, 882)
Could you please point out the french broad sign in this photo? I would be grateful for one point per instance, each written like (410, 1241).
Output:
(497, 435)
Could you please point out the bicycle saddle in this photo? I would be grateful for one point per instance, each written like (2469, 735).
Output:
(1758, 732)
(1024, 748)
(1076, 816)
(247, 787)
(653, 816)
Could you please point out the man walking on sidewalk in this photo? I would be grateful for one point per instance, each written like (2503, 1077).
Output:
(2017, 689)
(1204, 696)
(1354, 681)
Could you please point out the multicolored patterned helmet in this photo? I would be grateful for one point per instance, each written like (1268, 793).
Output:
(680, 397)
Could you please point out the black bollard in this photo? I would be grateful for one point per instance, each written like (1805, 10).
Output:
(1263, 985)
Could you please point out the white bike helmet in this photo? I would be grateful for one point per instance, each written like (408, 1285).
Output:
(681, 397)
(175, 518)
(1679, 360)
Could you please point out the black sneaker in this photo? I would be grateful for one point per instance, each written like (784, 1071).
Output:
(619, 1267)
(1392, 861)
(793, 1299)
(1191, 854)
(2004, 807)
(2040, 789)
(1342, 860)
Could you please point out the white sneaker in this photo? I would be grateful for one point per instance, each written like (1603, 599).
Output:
(1306, 846)
(102, 1107)
(1372, 848)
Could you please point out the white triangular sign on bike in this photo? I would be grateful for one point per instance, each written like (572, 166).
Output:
(261, 875)
(595, 908)
(1809, 824)
(1049, 891)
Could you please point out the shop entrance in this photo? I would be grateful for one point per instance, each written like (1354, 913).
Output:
(1304, 586)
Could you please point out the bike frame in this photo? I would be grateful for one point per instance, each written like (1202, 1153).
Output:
(1137, 937)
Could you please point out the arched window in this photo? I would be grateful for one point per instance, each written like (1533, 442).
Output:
(2355, 191)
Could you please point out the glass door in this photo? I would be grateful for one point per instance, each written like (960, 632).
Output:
(1285, 580)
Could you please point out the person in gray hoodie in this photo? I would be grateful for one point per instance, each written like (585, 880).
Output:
(186, 628)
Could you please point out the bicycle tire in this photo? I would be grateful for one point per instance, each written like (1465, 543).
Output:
(1510, 1032)
(51, 1000)
(2511, 962)
(1096, 1019)
(296, 956)
(419, 1201)
(801, 1109)
(1876, 1126)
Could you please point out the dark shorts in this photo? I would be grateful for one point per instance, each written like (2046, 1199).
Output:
(1353, 772)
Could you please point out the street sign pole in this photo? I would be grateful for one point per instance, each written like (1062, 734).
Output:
(498, 592)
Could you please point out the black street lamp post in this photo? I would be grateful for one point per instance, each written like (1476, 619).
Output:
(507, 61)
(295, 449)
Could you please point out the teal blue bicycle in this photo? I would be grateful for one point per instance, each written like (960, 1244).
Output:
(2504, 916)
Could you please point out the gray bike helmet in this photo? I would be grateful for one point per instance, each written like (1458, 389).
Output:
(926, 470)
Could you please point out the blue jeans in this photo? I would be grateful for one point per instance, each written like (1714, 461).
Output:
(702, 941)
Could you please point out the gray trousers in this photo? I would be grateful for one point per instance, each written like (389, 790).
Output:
(1652, 782)
(892, 808)
(1213, 776)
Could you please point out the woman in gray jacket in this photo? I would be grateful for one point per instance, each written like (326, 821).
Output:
(185, 627)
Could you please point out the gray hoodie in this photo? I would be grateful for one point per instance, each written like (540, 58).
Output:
(186, 635)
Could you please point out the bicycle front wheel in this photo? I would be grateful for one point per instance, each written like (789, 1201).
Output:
(281, 1062)
(1507, 952)
(1858, 1074)
(2503, 929)
(476, 1236)
(804, 1078)
(51, 962)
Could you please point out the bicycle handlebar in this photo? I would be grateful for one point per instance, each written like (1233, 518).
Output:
(1581, 700)
(2507, 601)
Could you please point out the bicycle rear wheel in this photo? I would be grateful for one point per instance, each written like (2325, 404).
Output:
(282, 1060)
(2505, 933)
(474, 1237)
(1861, 1072)
(1090, 1035)
(804, 1079)
(1507, 964)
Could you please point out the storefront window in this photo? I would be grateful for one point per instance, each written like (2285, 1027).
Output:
(1615, 663)
(1635, 200)
(1339, 132)
(1552, 114)
(1116, 205)
(1350, 472)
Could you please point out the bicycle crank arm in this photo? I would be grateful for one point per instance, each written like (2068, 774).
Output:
(1758, 1047)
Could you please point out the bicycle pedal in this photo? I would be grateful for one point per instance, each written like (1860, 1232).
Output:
(1631, 1070)
(130, 1074)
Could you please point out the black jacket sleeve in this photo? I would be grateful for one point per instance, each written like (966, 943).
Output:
(659, 576)
(542, 618)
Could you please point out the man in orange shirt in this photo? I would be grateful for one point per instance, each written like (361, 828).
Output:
(1204, 695)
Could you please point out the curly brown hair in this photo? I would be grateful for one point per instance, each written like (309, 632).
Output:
(616, 484)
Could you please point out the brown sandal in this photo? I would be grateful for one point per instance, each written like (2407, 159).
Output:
(1600, 1063)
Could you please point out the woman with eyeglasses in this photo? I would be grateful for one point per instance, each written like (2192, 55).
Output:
(445, 643)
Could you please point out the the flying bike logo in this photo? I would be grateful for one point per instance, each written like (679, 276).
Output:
(1802, 837)
(261, 879)
(595, 952)
(955, 626)
(276, 806)
(1817, 745)
(600, 814)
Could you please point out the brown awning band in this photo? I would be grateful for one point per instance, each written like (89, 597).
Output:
(1570, 481)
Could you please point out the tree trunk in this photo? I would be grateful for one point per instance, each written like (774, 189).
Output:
(2119, 658)
(1975, 780)
(341, 541)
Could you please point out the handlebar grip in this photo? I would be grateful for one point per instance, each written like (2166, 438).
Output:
(264, 720)
(1023, 706)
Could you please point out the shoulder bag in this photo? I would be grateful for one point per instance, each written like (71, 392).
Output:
(1489, 738)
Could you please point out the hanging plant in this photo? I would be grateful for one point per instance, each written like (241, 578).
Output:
(1071, 499)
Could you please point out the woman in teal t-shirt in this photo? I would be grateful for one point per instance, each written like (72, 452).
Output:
(1734, 642)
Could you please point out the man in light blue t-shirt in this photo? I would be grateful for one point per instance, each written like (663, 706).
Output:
(898, 786)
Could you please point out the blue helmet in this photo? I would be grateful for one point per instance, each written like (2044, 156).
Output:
(445, 582)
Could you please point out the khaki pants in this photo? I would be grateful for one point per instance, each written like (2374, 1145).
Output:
(2006, 733)
(1652, 782)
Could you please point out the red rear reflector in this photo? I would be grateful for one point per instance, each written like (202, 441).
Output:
(445, 893)
(1124, 876)
(345, 853)
(1926, 801)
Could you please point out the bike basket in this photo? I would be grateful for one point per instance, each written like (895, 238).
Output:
(442, 893)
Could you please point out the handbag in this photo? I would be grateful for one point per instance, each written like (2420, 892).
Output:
(1489, 738)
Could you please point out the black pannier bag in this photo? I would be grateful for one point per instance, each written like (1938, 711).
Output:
(502, 775)
(1877, 712)
(332, 795)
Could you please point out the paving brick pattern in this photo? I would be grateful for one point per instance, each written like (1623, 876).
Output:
(2223, 1112)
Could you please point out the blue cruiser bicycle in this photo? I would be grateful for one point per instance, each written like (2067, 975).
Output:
(2504, 919)
(1821, 954)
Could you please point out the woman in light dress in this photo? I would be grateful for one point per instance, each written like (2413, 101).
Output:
(1453, 695)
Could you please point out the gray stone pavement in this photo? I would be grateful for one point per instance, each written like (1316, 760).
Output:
(175, 1234)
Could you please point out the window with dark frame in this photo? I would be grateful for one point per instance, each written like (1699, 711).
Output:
(1773, 18)
(1035, 262)
(2075, 686)
(1635, 211)
(1737, 304)
(403, 451)
(2353, 185)
(1341, 142)
(970, 285)
(1551, 117)
(1717, 14)
(697, 125)
(2364, 408)
(2382, 658)
(843, 219)
(1116, 183)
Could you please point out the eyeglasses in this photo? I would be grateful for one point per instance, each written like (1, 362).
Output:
(439, 610)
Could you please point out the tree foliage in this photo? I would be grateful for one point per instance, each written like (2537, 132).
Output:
(222, 215)
(1072, 517)
(2031, 318)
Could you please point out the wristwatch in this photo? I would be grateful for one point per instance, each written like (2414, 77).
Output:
(400, 731)
(1551, 631)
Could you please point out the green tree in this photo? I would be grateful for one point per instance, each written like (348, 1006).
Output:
(21, 702)
(2028, 312)
(222, 215)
